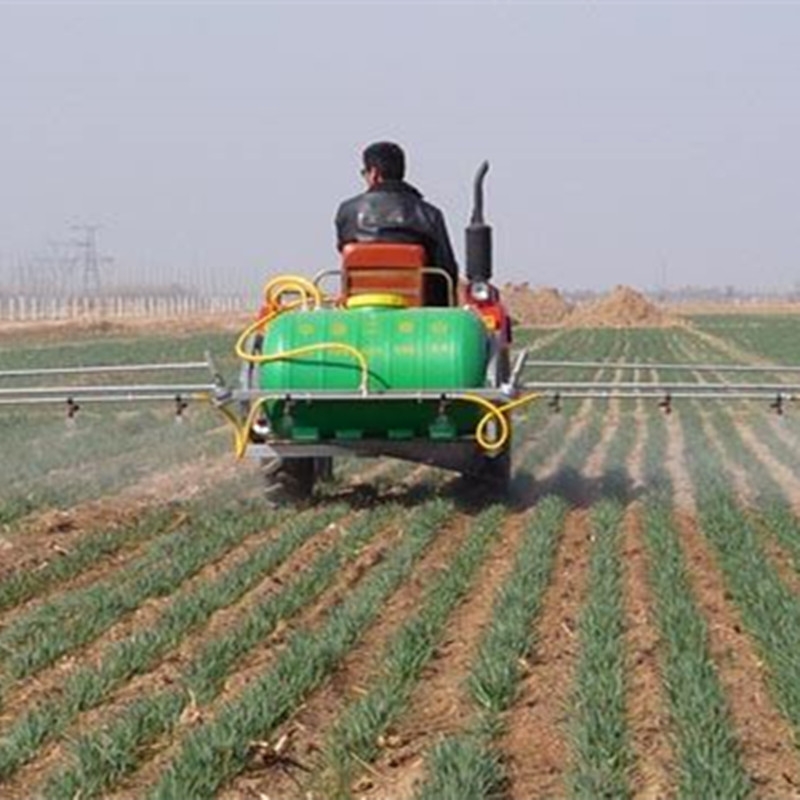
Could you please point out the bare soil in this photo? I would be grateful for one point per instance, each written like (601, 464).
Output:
(535, 745)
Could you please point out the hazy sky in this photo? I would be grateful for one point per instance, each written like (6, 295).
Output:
(628, 141)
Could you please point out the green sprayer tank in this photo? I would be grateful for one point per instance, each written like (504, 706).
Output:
(406, 349)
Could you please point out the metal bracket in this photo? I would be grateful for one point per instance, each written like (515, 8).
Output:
(72, 409)
(180, 406)
(519, 366)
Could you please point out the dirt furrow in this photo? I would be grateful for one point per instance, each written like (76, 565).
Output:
(765, 736)
(535, 744)
(648, 719)
(636, 461)
(780, 560)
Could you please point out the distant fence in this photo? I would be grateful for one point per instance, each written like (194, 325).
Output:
(25, 308)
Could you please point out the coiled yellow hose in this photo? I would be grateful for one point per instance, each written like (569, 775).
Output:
(272, 294)
(497, 413)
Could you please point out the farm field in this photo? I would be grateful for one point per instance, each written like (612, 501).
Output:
(626, 624)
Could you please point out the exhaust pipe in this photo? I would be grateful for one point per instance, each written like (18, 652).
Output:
(479, 235)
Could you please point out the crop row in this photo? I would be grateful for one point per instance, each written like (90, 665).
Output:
(708, 752)
(104, 756)
(37, 638)
(87, 687)
(769, 609)
(355, 735)
(770, 335)
(467, 765)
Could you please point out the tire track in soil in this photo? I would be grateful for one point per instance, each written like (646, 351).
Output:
(765, 736)
(440, 703)
(56, 753)
(534, 743)
(436, 557)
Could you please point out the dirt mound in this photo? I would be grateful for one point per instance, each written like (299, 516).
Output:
(622, 308)
(543, 306)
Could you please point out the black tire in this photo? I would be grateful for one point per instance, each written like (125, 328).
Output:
(323, 468)
(289, 480)
(492, 475)
(495, 472)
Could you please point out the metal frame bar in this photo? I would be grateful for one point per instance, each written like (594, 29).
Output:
(100, 369)
(446, 395)
(690, 394)
(531, 364)
(437, 271)
(545, 386)
(77, 391)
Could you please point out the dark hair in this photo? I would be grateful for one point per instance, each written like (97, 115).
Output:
(388, 158)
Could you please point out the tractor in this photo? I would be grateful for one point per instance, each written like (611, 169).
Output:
(374, 370)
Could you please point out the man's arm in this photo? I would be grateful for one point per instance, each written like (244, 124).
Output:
(339, 223)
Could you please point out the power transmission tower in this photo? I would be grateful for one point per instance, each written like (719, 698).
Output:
(92, 262)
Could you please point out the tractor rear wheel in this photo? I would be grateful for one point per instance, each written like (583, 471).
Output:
(323, 468)
(494, 473)
(289, 480)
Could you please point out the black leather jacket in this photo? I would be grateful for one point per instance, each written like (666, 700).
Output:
(394, 211)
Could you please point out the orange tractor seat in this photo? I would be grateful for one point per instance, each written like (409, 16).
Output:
(384, 267)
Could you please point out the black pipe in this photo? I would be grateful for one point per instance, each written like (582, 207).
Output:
(479, 234)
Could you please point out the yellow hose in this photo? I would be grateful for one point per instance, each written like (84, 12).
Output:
(272, 292)
(497, 413)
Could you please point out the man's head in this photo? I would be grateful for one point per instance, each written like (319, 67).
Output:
(384, 161)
